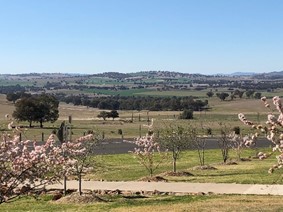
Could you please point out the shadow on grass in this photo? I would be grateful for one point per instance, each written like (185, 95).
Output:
(135, 197)
(224, 174)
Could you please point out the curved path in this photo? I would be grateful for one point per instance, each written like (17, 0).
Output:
(180, 187)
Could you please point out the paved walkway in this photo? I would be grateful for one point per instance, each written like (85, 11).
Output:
(181, 187)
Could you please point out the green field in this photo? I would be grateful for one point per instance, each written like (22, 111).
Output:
(165, 93)
(129, 92)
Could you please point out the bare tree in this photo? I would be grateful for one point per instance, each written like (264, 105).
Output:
(199, 143)
(224, 141)
(175, 138)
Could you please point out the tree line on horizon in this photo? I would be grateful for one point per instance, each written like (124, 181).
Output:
(137, 103)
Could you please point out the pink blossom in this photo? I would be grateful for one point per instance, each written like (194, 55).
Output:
(273, 130)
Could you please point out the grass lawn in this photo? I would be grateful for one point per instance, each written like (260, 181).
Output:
(154, 203)
(124, 167)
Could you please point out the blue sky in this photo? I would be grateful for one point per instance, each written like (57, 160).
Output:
(94, 36)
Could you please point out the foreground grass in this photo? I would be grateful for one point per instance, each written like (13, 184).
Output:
(154, 203)
(123, 167)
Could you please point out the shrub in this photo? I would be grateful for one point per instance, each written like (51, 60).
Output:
(187, 114)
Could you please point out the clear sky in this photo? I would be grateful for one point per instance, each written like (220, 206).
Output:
(94, 36)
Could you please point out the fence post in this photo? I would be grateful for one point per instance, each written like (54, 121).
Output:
(147, 118)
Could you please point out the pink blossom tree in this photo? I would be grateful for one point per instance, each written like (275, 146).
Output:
(147, 151)
(272, 130)
(78, 156)
(25, 166)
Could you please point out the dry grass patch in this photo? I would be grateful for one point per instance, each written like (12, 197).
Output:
(236, 106)
(5, 107)
(217, 203)
(75, 198)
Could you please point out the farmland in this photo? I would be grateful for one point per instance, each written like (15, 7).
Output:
(85, 118)
(124, 167)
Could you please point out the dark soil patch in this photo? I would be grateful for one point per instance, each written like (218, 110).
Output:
(153, 179)
(178, 174)
(230, 163)
(205, 167)
(245, 159)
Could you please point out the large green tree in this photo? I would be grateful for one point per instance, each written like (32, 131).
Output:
(103, 114)
(222, 96)
(187, 114)
(210, 94)
(38, 108)
(113, 114)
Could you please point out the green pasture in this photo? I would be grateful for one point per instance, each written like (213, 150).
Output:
(5, 82)
(155, 92)
(198, 94)
(105, 81)
(129, 92)
(190, 92)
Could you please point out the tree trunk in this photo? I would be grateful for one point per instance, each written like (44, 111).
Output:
(174, 165)
(80, 184)
(150, 172)
(225, 156)
(65, 185)
(202, 157)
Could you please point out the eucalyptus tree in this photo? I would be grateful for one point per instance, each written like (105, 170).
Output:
(37, 108)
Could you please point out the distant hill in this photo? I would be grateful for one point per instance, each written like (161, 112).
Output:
(115, 75)
(243, 74)
(149, 75)
(269, 75)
